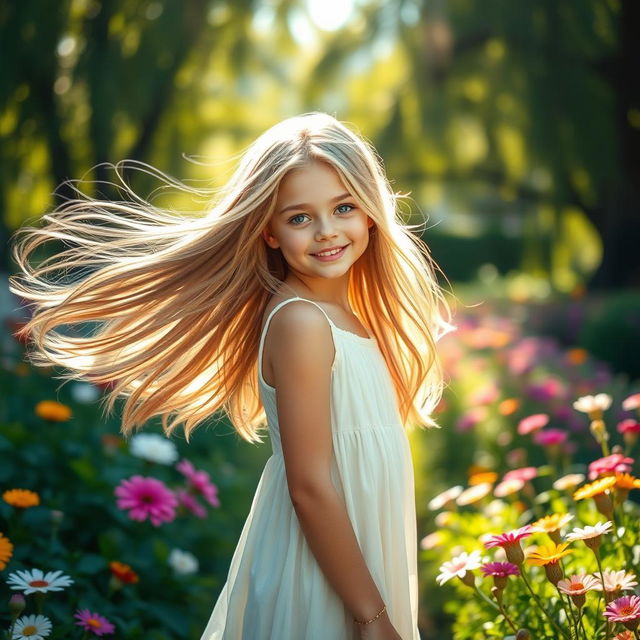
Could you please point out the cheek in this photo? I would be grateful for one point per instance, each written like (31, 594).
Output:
(295, 242)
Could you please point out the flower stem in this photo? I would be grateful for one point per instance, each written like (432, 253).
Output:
(539, 603)
(570, 614)
(487, 600)
(596, 553)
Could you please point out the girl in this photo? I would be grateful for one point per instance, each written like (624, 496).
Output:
(300, 297)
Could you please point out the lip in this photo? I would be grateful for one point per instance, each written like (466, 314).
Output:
(336, 256)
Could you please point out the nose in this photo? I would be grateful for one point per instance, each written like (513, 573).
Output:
(325, 229)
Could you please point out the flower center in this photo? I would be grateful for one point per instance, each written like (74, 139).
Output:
(576, 586)
(30, 630)
(94, 623)
(626, 611)
(38, 583)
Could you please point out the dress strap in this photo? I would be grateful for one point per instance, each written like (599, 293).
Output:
(266, 326)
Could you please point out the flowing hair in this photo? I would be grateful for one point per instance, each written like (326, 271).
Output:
(177, 300)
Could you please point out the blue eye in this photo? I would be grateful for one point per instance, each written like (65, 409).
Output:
(300, 215)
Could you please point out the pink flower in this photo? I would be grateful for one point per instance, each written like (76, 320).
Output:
(532, 423)
(467, 421)
(190, 503)
(616, 462)
(502, 569)
(625, 610)
(524, 473)
(549, 437)
(147, 497)
(629, 426)
(94, 623)
(200, 482)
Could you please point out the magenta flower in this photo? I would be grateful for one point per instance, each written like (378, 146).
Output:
(190, 503)
(629, 426)
(616, 462)
(524, 473)
(550, 437)
(625, 610)
(510, 542)
(532, 423)
(94, 623)
(200, 482)
(147, 497)
(511, 537)
(501, 569)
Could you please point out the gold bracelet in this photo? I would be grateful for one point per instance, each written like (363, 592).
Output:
(374, 618)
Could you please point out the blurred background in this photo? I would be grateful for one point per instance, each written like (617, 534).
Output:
(514, 127)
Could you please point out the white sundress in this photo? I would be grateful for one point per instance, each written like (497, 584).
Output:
(275, 589)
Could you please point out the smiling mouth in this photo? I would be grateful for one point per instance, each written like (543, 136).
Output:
(322, 254)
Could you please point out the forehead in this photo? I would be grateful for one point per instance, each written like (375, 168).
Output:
(316, 180)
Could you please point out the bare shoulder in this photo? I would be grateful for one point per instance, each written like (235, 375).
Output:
(300, 333)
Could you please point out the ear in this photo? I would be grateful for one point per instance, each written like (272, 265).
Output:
(269, 239)
(370, 222)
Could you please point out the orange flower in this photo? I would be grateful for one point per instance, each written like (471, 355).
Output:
(577, 356)
(508, 406)
(627, 481)
(485, 476)
(6, 551)
(595, 488)
(123, 572)
(22, 498)
(52, 410)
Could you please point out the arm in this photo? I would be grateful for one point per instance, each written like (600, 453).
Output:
(303, 353)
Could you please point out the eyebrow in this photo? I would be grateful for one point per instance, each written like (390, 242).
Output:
(302, 205)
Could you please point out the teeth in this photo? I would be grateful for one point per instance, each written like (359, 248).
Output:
(329, 253)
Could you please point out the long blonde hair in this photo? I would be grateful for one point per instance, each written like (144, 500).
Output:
(178, 299)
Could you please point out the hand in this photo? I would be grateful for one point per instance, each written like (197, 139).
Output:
(380, 629)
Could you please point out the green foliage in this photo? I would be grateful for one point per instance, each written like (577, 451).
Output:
(612, 332)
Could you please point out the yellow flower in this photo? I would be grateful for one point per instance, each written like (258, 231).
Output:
(52, 410)
(22, 498)
(548, 554)
(551, 523)
(6, 551)
(595, 488)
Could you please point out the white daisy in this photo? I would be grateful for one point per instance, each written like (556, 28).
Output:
(442, 499)
(593, 405)
(588, 532)
(33, 627)
(459, 566)
(183, 562)
(153, 447)
(37, 581)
